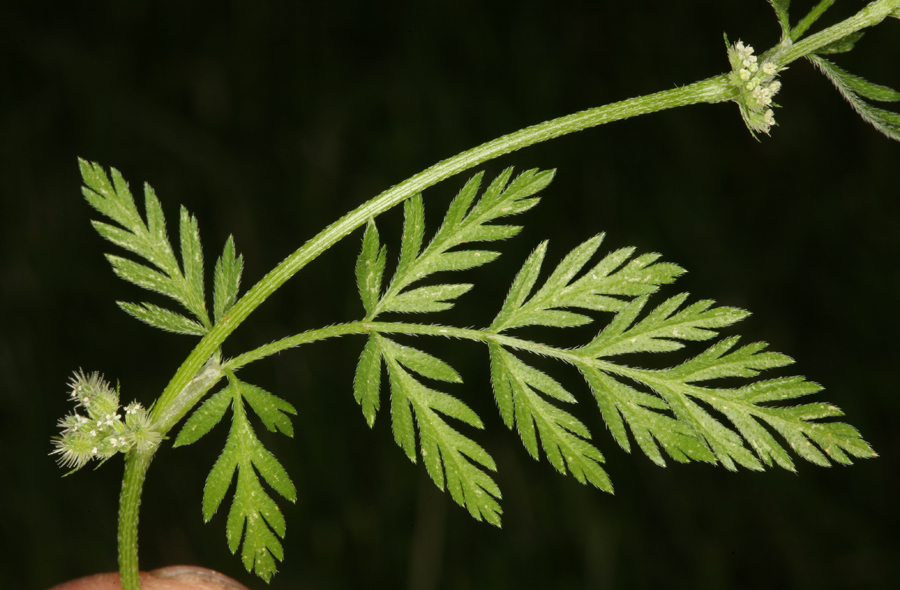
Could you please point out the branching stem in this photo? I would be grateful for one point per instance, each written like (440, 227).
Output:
(193, 378)
(712, 90)
(364, 327)
(869, 16)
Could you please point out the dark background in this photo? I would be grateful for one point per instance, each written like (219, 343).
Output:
(270, 120)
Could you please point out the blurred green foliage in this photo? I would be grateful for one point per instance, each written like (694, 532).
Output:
(269, 120)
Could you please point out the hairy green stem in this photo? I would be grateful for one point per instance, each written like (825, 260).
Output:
(567, 355)
(136, 466)
(712, 90)
(192, 380)
(364, 327)
(869, 16)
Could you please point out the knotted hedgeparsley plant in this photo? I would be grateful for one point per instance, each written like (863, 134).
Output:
(681, 412)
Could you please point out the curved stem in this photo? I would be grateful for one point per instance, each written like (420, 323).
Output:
(869, 16)
(136, 466)
(716, 89)
(192, 379)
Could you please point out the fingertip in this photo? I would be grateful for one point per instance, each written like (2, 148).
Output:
(190, 577)
(177, 577)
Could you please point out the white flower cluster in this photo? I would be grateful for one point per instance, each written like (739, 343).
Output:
(102, 432)
(756, 84)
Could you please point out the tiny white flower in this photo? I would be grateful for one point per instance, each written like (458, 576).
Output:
(744, 74)
(769, 68)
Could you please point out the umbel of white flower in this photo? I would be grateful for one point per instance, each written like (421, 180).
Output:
(756, 85)
(101, 432)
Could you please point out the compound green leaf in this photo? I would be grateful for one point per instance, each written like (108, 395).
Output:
(112, 199)
(450, 457)
(620, 404)
(522, 286)
(604, 287)
(563, 437)
(464, 223)
(663, 328)
(254, 519)
(677, 411)
(149, 241)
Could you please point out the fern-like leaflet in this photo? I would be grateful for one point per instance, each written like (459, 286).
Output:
(669, 411)
(448, 455)
(182, 282)
(246, 455)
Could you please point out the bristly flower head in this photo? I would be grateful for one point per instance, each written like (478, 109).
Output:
(756, 84)
(101, 433)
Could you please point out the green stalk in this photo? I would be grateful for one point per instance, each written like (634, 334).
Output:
(712, 90)
(869, 16)
(364, 327)
(136, 466)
